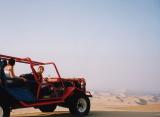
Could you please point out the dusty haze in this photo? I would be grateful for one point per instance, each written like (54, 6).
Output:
(113, 44)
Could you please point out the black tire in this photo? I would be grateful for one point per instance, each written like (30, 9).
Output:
(4, 111)
(79, 105)
(47, 108)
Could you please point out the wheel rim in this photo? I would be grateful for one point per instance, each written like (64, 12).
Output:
(81, 105)
(1, 111)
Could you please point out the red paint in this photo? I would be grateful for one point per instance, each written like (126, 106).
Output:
(55, 100)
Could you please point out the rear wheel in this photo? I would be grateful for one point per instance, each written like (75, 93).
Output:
(47, 108)
(80, 105)
(4, 111)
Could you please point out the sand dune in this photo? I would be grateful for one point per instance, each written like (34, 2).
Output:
(113, 111)
(107, 104)
(143, 108)
(93, 114)
(123, 97)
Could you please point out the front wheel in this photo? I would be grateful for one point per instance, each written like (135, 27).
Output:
(80, 105)
(4, 111)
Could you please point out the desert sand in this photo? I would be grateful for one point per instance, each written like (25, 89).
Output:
(93, 114)
(106, 105)
(151, 110)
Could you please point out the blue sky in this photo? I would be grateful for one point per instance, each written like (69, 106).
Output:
(113, 44)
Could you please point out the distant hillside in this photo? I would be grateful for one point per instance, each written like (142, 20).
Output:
(124, 97)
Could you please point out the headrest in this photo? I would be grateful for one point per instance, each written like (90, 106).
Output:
(3, 63)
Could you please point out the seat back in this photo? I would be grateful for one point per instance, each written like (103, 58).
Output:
(3, 63)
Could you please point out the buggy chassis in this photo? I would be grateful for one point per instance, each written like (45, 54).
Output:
(66, 92)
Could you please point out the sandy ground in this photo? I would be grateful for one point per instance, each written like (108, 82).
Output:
(97, 110)
(92, 114)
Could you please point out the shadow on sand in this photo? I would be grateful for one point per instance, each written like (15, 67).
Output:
(93, 114)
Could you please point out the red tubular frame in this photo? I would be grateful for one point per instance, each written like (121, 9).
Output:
(32, 64)
(49, 100)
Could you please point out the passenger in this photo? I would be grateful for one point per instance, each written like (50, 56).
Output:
(40, 72)
(9, 69)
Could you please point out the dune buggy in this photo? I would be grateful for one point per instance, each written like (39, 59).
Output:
(34, 92)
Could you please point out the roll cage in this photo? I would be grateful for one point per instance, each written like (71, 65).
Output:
(32, 64)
